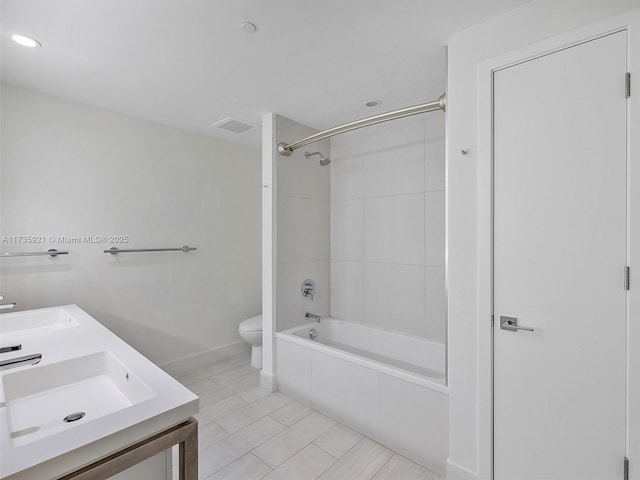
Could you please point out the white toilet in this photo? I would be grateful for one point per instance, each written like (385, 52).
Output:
(251, 332)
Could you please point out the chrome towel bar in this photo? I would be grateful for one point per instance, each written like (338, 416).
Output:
(114, 250)
(51, 252)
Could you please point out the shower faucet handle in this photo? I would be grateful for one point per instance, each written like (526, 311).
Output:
(308, 288)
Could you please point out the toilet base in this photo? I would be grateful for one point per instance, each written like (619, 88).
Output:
(256, 356)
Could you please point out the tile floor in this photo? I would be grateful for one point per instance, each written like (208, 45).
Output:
(249, 433)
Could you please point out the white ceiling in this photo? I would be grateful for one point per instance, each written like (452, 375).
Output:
(187, 63)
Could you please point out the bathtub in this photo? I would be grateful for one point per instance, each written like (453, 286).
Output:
(385, 385)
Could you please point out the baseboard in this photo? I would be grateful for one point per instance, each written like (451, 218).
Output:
(458, 472)
(218, 354)
(268, 381)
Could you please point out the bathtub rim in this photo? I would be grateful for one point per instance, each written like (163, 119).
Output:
(288, 336)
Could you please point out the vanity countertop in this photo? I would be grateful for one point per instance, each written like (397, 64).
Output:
(85, 368)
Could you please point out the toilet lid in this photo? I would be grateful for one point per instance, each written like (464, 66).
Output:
(253, 324)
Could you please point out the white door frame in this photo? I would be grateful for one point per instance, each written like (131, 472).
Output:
(631, 23)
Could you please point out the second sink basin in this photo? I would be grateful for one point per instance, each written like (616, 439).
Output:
(43, 400)
(48, 318)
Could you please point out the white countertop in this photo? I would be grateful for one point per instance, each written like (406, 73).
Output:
(81, 443)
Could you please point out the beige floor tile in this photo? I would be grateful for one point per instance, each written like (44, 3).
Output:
(214, 395)
(202, 386)
(216, 457)
(292, 440)
(338, 440)
(271, 402)
(234, 421)
(291, 413)
(228, 450)
(255, 434)
(307, 464)
(210, 434)
(252, 394)
(362, 462)
(192, 376)
(247, 467)
(399, 467)
(219, 409)
(233, 374)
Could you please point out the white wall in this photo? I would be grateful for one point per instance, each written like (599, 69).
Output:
(70, 169)
(302, 223)
(387, 226)
(468, 223)
(295, 229)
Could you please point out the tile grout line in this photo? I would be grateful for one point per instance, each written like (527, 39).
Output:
(424, 244)
(298, 451)
(269, 415)
(382, 466)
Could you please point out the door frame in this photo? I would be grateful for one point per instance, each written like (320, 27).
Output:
(629, 22)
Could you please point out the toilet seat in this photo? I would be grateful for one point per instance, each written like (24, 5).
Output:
(253, 324)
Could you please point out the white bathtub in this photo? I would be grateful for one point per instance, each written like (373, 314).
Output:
(385, 385)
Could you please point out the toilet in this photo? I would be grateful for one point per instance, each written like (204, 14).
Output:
(251, 332)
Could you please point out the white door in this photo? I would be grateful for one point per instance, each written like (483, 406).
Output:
(559, 256)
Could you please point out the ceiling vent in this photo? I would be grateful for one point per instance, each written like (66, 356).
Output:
(234, 126)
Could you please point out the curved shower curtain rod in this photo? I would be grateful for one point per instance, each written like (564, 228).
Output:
(287, 149)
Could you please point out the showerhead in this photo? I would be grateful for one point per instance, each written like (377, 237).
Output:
(324, 161)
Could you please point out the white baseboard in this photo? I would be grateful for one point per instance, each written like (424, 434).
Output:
(458, 472)
(268, 381)
(218, 354)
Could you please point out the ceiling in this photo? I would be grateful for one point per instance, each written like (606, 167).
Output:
(187, 63)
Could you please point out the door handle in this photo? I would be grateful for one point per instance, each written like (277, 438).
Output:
(511, 323)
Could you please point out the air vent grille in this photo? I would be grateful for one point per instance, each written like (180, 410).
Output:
(234, 126)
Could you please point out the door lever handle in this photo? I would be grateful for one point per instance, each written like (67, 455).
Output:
(511, 323)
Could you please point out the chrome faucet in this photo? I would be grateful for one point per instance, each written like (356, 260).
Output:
(311, 316)
(12, 348)
(21, 361)
(308, 288)
(6, 306)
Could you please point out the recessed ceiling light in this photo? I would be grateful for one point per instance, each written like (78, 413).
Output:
(248, 27)
(371, 103)
(25, 41)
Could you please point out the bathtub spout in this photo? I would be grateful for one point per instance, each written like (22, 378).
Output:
(311, 316)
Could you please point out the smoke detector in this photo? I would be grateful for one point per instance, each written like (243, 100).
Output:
(233, 125)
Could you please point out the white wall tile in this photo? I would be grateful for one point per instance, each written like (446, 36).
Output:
(346, 177)
(389, 166)
(304, 177)
(346, 392)
(347, 290)
(303, 229)
(434, 228)
(394, 297)
(394, 229)
(294, 370)
(414, 422)
(291, 305)
(434, 164)
(436, 303)
(395, 170)
(347, 230)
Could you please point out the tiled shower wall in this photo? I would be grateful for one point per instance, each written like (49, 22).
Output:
(303, 227)
(387, 226)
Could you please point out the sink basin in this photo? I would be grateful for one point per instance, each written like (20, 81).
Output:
(110, 394)
(50, 318)
(44, 400)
